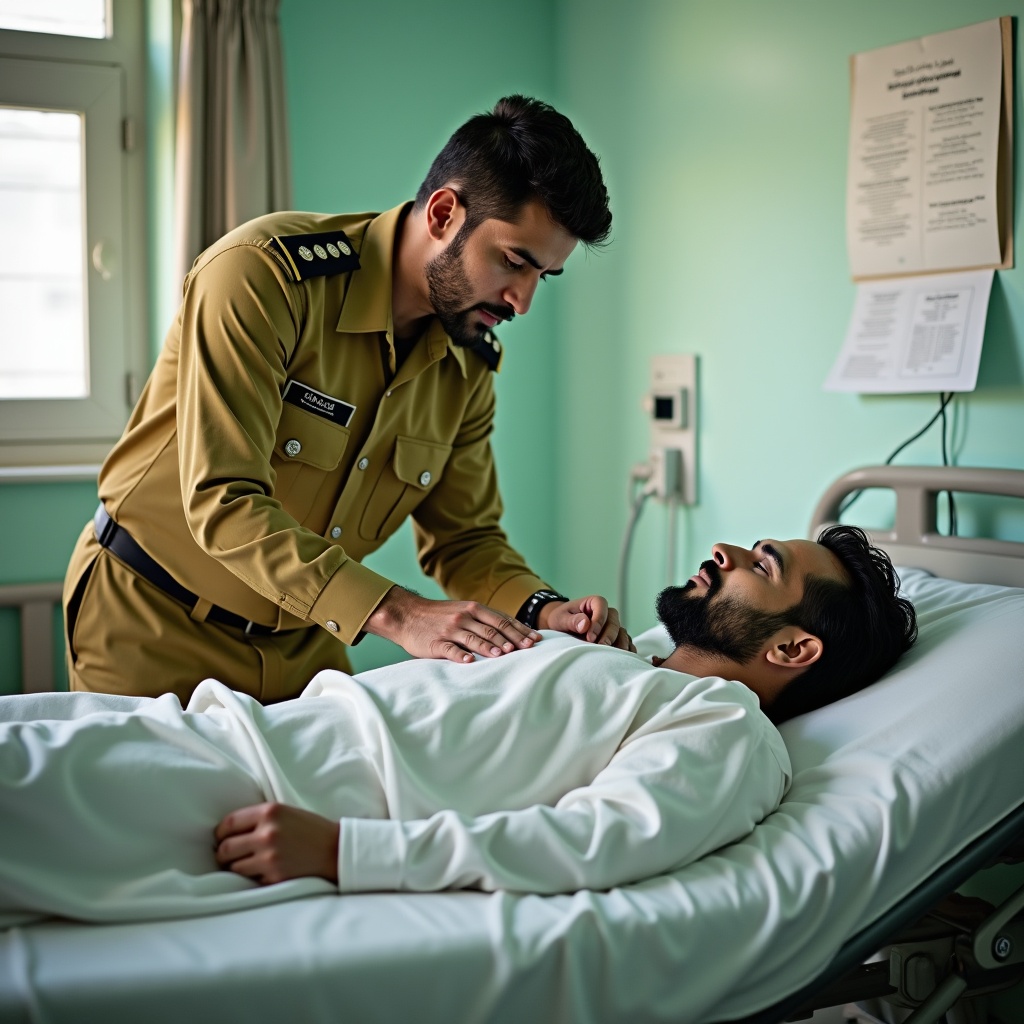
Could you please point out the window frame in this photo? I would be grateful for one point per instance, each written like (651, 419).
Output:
(125, 351)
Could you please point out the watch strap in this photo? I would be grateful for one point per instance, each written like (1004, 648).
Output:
(528, 613)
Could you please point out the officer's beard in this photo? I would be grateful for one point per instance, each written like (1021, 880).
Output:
(725, 626)
(450, 291)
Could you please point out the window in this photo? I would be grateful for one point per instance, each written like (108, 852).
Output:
(72, 270)
(60, 17)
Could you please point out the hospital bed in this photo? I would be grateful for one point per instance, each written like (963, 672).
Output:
(900, 793)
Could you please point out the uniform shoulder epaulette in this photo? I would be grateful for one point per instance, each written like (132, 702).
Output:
(327, 252)
(489, 349)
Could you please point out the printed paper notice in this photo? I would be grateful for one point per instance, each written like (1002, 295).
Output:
(924, 144)
(915, 334)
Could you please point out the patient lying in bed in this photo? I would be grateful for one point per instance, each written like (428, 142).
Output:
(562, 767)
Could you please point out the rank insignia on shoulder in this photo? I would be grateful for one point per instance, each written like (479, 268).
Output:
(328, 252)
(489, 349)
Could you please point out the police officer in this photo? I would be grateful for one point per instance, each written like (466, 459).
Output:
(326, 377)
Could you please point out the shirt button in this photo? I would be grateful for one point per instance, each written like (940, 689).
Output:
(425, 477)
(336, 532)
(387, 394)
(292, 447)
(363, 463)
(331, 625)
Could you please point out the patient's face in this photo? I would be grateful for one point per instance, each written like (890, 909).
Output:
(740, 597)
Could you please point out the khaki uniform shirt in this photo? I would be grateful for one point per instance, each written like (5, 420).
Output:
(275, 446)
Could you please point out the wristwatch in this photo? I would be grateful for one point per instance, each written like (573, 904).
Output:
(533, 604)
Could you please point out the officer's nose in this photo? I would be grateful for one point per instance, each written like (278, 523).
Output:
(520, 296)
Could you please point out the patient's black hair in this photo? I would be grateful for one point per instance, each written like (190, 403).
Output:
(523, 149)
(864, 625)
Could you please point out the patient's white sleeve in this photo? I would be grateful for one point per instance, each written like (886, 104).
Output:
(696, 776)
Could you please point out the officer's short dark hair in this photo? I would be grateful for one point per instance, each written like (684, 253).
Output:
(863, 624)
(523, 149)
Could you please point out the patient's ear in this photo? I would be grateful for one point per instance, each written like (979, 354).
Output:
(794, 648)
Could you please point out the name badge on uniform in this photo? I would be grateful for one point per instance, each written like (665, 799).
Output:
(316, 402)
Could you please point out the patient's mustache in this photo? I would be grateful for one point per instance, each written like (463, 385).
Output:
(714, 574)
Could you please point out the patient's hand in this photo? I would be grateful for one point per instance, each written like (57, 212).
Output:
(589, 618)
(274, 842)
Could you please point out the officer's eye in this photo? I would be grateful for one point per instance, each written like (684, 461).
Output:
(512, 265)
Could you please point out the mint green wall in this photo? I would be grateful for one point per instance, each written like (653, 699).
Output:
(374, 90)
(723, 130)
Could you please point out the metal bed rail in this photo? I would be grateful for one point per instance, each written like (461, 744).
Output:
(35, 603)
(915, 539)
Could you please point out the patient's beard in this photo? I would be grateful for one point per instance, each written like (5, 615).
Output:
(713, 623)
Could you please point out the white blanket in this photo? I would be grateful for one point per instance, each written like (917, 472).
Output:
(551, 770)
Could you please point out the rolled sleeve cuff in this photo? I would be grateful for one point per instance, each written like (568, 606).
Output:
(371, 855)
(513, 593)
(348, 599)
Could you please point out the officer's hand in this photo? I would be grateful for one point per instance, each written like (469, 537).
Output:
(274, 842)
(455, 630)
(589, 618)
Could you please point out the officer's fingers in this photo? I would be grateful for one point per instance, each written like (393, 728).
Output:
(601, 622)
(624, 641)
(448, 650)
(567, 617)
(500, 630)
(483, 639)
(610, 634)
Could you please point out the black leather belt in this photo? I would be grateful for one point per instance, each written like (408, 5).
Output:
(118, 540)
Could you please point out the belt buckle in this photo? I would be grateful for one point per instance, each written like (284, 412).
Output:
(109, 528)
(249, 627)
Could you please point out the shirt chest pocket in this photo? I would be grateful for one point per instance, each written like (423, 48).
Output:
(307, 450)
(404, 482)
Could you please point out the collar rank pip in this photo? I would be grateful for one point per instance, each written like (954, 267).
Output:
(318, 255)
(489, 349)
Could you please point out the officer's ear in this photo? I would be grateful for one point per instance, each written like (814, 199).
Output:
(445, 214)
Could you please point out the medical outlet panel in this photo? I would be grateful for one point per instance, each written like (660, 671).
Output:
(671, 404)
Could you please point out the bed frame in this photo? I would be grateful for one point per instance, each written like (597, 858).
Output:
(915, 538)
(979, 947)
(35, 603)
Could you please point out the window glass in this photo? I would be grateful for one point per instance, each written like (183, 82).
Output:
(73, 339)
(42, 268)
(87, 18)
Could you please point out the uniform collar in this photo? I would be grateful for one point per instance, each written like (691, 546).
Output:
(367, 305)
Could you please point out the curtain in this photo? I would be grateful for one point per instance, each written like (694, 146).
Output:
(231, 155)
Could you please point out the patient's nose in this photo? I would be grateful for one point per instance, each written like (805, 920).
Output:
(728, 556)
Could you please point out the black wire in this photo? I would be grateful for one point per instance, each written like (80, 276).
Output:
(945, 398)
(950, 503)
